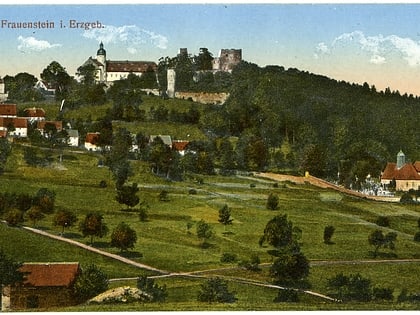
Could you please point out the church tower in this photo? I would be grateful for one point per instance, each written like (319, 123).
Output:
(101, 57)
(400, 159)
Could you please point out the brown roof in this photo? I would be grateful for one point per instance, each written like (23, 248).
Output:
(92, 137)
(179, 145)
(8, 109)
(417, 166)
(3, 133)
(34, 112)
(130, 66)
(58, 124)
(15, 121)
(50, 274)
(406, 172)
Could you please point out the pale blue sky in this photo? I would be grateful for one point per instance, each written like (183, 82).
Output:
(376, 43)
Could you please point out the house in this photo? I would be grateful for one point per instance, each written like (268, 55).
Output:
(73, 139)
(92, 140)
(405, 175)
(3, 94)
(108, 71)
(8, 110)
(34, 114)
(45, 285)
(165, 138)
(44, 126)
(180, 146)
(15, 127)
(46, 89)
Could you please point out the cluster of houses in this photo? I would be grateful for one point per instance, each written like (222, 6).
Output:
(12, 126)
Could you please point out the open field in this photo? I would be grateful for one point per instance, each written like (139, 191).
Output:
(166, 242)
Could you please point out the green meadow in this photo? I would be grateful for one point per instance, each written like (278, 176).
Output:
(167, 239)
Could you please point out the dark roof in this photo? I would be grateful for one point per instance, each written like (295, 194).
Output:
(50, 274)
(406, 172)
(8, 109)
(130, 66)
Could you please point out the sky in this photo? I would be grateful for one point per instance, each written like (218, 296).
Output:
(374, 43)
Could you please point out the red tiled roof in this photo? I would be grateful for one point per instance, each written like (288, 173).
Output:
(50, 274)
(130, 66)
(34, 112)
(180, 145)
(417, 166)
(407, 172)
(16, 122)
(92, 137)
(8, 109)
(58, 124)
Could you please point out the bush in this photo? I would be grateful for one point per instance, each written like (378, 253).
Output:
(90, 282)
(417, 237)
(102, 184)
(143, 214)
(383, 221)
(228, 258)
(328, 233)
(14, 217)
(216, 290)
(148, 286)
(252, 264)
(272, 202)
(286, 295)
(406, 198)
(382, 294)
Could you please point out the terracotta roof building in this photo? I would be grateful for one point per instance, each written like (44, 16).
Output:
(45, 285)
(15, 127)
(405, 175)
(8, 110)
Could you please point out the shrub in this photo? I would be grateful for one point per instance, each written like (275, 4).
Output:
(417, 237)
(382, 294)
(215, 290)
(286, 295)
(143, 214)
(328, 233)
(383, 221)
(252, 264)
(228, 258)
(102, 184)
(272, 202)
(252, 185)
(13, 217)
(149, 286)
(90, 282)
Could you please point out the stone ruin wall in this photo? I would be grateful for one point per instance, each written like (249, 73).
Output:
(203, 97)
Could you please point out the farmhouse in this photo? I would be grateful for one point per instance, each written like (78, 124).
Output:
(91, 141)
(405, 175)
(8, 110)
(14, 127)
(34, 114)
(108, 71)
(45, 285)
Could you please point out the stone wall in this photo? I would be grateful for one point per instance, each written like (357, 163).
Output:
(203, 97)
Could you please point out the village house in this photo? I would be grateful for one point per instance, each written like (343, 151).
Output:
(8, 110)
(180, 146)
(108, 71)
(34, 114)
(405, 175)
(45, 285)
(14, 127)
(91, 141)
(44, 125)
(165, 138)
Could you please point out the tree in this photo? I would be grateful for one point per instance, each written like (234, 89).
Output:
(378, 240)
(13, 217)
(328, 233)
(204, 232)
(224, 216)
(21, 87)
(35, 214)
(127, 195)
(90, 282)
(5, 150)
(45, 199)
(9, 270)
(87, 74)
(290, 268)
(123, 237)
(272, 201)
(204, 60)
(215, 290)
(93, 225)
(350, 288)
(65, 219)
(57, 76)
(281, 234)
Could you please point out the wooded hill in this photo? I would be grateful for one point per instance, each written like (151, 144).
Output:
(320, 124)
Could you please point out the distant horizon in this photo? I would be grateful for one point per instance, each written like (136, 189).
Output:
(374, 43)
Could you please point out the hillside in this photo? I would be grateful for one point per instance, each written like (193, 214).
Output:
(167, 239)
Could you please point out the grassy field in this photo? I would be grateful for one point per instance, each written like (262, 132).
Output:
(166, 242)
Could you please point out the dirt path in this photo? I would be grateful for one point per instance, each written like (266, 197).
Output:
(321, 183)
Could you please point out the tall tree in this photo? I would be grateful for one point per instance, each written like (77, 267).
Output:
(5, 150)
(56, 75)
(123, 237)
(9, 270)
(64, 219)
(204, 60)
(90, 282)
(93, 225)
(224, 216)
(128, 195)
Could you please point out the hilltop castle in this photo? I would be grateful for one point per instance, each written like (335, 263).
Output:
(108, 71)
